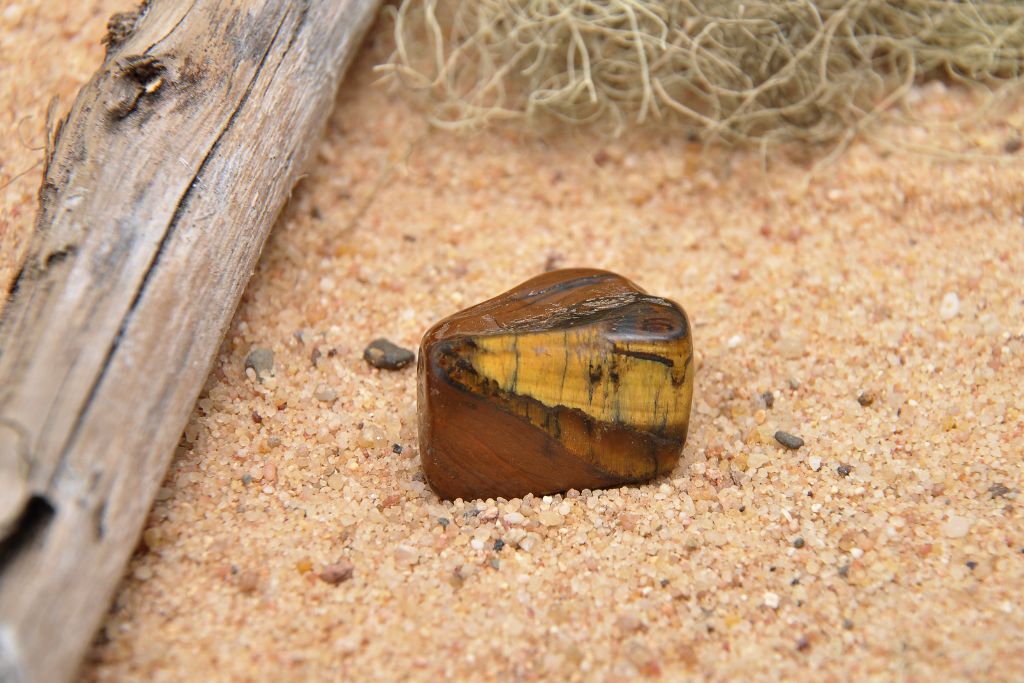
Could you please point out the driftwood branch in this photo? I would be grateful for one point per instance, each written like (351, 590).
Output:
(160, 188)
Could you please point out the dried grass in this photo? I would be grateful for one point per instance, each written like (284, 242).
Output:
(806, 71)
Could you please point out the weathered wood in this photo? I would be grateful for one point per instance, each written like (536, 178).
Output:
(160, 189)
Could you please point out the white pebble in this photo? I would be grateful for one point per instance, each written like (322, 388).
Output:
(771, 600)
(956, 526)
(950, 306)
(814, 462)
(734, 341)
(514, 518)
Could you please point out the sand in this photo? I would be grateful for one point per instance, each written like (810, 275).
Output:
(873, 309)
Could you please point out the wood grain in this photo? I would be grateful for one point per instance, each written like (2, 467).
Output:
(160, 189)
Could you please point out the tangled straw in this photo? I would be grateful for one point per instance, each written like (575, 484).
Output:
(810, 71)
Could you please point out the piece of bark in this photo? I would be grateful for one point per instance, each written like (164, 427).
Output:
(160, 188)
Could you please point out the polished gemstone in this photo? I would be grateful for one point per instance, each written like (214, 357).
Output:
(574, 379)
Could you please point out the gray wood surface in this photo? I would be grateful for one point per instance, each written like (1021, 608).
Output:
(160, 188)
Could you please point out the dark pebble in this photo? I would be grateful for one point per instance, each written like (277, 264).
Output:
(803, 644)
(387, 356)
(444, 522)
(971, 564)
(798, 542)
(664, 583)
(314, 356)
(844, 470)
(1013, 145)
(866, 398)
(261, 361)
(396, 448)
(847, 624)
(768, 398)
(498, 545)
(246, 479)
(998, 490)
(844, 570)
(789, 440)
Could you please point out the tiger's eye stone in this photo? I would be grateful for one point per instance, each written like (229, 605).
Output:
(574, 379)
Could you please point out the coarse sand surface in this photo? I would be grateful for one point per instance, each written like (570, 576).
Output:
(872, 308)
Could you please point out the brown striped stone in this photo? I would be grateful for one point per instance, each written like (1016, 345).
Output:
(574, 379)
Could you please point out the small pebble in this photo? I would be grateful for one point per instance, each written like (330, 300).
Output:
(1013, 145)
(771, 600)
(791, 348)
(261, 361)
(248, 581)
(406, 555)
(550, 518)
(528, 542)
(464, 571)
(998, 490)
(768, 398)
(866, 398)
(844, 470)
(956, 526)
(325, 393)
(950, 306)
(385, 355)
(498, 545)
(444, 522)
(971, 564)
(515, 536)
(246, 478)
(798, 542)
(814, 462)
(789, 440)
(514, 518)
(338, 572)
(396, 448)
(629, 623)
